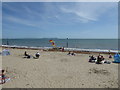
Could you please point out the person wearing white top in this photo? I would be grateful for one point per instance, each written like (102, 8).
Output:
(37, 55)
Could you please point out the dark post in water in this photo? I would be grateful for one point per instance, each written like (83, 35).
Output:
(7, 42)
(67, 43)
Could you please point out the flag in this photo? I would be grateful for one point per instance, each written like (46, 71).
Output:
(53, 43)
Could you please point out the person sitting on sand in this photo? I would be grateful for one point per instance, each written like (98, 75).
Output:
(110, 56)
(73, 53)
(69, 53)
(99, 59)
(37, 55)
(92, 59)
(102, 58)
(26, 55)
(3, 76)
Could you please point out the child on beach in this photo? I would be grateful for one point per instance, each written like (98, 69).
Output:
(110, 56)
(62, 49)
(3, 76)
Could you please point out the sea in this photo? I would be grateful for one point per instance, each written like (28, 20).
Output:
(103, 44)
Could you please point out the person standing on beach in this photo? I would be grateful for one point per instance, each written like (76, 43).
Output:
(62, 49)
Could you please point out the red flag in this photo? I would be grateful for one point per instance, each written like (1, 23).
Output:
(51, 41)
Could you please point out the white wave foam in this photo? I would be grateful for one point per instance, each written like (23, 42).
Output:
(92, 50)
(67, 49)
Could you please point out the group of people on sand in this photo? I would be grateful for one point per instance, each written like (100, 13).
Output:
(71, 53)
(29, 56)
(99, 60)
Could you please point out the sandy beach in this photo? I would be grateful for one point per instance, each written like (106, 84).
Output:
(57, 70)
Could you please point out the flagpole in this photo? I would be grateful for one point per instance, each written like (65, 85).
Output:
(7, 42)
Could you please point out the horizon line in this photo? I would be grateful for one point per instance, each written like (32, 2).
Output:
(59, 38)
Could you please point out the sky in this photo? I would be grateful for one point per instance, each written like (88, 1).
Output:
(60, 20)
(0, 20)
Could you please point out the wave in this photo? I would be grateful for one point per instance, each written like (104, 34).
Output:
(26, 47)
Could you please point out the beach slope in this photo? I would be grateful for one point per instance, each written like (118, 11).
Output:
(57, 70)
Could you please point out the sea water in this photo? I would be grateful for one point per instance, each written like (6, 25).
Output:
(111, 44)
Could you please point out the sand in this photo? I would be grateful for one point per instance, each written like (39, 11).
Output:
(57, 70)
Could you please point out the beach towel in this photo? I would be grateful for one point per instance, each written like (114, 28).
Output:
(102, 62)
(107, 62)
(5, 52)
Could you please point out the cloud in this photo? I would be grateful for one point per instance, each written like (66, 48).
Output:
(27, 9)
(20, 21)
(86, 12)
(22, 14)
(21, 8)
(82, 16)
(9, 7)
(54, 18)
(32, 14)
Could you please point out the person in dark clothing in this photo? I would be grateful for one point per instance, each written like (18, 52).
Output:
(62, 49)
(99, 59)
(25, 53)
(92, 59)
(73, 53)
(110, 56)
(3, 76)
(102, 58)
(69, 53)
(37, 55)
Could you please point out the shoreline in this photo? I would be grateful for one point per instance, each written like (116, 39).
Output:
(75, 50)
